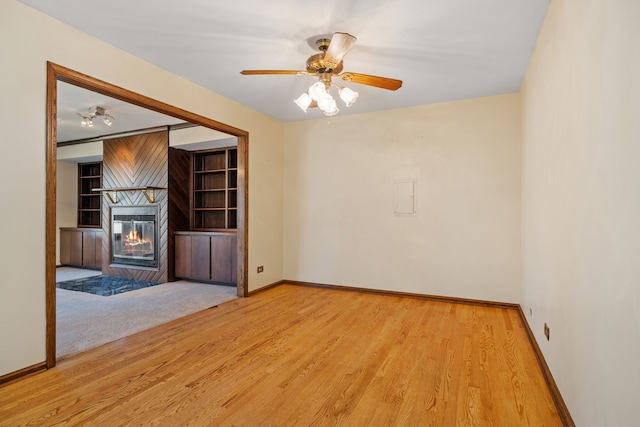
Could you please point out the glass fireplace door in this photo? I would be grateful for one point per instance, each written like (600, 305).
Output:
(134, 240)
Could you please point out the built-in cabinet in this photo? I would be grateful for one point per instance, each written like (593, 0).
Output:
(81, 247)
(89, 201)
(206, 256)
(208, 252)
(214, 189)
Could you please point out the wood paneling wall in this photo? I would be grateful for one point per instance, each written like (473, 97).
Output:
(179, 212)
(137, 161)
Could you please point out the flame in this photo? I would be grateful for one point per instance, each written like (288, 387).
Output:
(134, 239)
(133, 235)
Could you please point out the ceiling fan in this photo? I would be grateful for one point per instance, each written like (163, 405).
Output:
(326, 65)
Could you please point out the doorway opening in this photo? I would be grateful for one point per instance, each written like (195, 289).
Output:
(57, 73)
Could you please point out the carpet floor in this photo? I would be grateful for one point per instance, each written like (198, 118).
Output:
(85, 320)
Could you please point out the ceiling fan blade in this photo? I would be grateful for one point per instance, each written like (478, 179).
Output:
(262, 72)
(365, 79)
(338, 48)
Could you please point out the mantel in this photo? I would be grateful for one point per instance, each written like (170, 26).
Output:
(112, 193)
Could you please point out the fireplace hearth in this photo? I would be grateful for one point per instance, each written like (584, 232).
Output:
(134, 236)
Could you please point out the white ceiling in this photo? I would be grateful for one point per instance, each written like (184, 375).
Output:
(127, 117)
(443, 50)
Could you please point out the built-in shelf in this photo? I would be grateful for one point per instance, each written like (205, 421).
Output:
(214, 197)
(112, 193)
(89, 203)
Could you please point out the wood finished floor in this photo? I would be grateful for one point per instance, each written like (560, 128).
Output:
(301, 356)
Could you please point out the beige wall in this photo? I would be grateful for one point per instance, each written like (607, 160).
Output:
(66, 198)
(581, 205)
(67, 183)
(85, 152)
(464, 241)
(27, 40)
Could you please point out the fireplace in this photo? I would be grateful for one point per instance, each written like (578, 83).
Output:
(134, 236)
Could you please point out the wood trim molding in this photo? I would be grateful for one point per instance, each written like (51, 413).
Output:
(93, 84)
(22, 372)
(50, 217)
(242, 216)
(57, 73)
(113, 136)
(561, 407)
(454, 300)
(264, 288)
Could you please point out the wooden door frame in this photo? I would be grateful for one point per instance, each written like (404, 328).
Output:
(57, 73)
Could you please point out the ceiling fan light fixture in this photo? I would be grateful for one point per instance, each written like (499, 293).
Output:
(303, 101)
(326, 65)
(349, 96)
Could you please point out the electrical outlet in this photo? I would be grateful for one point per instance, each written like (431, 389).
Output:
(546, 331)
(260, 268)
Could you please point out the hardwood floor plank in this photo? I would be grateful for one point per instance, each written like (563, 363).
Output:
(295, 355)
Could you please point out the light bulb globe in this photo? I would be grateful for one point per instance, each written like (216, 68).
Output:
(303, 101)
(316, 90)
(349, 96)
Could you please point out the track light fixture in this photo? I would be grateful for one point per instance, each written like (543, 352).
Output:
(93, 113)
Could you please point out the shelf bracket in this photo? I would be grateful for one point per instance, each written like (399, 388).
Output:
(113, 198)
(151, 195)
(112, 193)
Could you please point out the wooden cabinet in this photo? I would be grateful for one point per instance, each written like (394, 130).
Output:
(81, 247)
(71, 247)
(223, 258)
(214, 189)
(208, 257)
(89, 201)
(208, 252)
(193, 256)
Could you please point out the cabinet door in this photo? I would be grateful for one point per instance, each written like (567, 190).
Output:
(98, 263)
(65, 247)
(183, 257)
(75, 248)
(88, 249)
(221, 252)
(234, 259)
(200, 258)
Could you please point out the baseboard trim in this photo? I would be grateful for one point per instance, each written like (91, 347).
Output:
(264, 288)
(23, 372)
(454, 300)
(561, 406)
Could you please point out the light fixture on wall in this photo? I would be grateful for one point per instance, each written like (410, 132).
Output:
(318, 96)
(87, 120)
